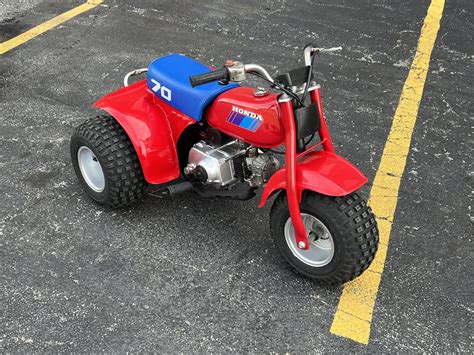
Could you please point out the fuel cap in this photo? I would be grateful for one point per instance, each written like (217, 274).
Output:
(260, 91)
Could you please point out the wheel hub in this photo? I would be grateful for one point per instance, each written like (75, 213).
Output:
(321, 248)
(91, 170)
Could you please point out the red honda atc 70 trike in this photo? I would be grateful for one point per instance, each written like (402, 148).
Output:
(188, 127)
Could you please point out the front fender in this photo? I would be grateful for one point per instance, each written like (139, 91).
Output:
(152, 126)
(322, 171)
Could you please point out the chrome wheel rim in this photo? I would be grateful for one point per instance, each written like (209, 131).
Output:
(91, 170)
(321, 243)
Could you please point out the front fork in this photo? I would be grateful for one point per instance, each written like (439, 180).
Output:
(292, 194)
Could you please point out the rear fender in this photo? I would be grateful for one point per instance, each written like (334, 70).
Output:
(152, 126)
(324, 172)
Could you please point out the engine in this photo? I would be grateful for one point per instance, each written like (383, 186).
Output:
(262, 167)
(230, 163)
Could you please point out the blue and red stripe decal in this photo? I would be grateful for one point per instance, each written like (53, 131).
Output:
(246, 122)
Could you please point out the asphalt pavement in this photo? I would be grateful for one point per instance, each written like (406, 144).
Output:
(198, 275)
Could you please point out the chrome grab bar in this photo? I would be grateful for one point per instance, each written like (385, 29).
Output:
(132, 73)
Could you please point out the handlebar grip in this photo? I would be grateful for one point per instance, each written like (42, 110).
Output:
(216, 75)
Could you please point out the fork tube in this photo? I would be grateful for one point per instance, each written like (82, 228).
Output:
(323, 131)
(290, 161)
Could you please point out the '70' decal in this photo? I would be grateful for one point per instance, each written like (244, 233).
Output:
(165, 93)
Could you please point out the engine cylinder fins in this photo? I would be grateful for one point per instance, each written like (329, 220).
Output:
(241, 171)
(262, 167)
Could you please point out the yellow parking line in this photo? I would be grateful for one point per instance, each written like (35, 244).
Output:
(354, 312)
(45, 26)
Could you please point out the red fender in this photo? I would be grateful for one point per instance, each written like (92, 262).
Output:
(153, 127)
(322, 171)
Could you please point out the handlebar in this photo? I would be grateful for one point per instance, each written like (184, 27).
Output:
(232, 71)
(216, 75)
(309, 50)
(235, 71)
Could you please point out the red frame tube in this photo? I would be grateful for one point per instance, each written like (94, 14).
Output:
(292, 195)
(323, 131)
(291, 186)
(311, 148)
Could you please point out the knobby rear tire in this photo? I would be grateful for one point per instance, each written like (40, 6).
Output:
(124, 180)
